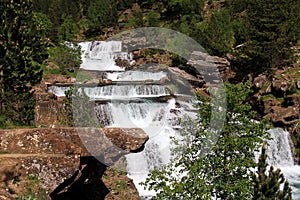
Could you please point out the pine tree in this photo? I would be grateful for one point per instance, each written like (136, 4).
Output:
(273, 28)
(267, 184)
(101, 14)
(23, 47)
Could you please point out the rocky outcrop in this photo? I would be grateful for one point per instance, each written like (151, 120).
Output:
(52, 79)
(281, 116)
(212, 68)
(58, 156)
(277, 98)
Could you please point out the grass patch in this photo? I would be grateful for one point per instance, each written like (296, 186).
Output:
(34, 190)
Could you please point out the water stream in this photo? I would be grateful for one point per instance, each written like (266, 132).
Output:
(157, 119)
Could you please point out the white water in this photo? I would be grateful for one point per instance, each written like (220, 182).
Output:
(101, 55)
(280, 156)
(111, 92)
(156, 119)
(58, 91)
(135, 76)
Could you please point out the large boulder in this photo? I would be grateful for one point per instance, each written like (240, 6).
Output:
(54, 155)
(211, 67)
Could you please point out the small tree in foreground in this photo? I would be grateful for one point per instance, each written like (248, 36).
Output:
(267, 184)
(224, 171)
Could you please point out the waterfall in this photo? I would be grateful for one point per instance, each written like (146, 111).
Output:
(136, 76)
(125, 91)
(101, 55)
(279, 149)
(280, 155)
(58, 91)
(117, 109)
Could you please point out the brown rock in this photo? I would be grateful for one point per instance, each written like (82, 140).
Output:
(198, 82)
(293, 100)
(207, 66)
(8, 169)
(260, 81)
(284, 116)
(269, 104)
(55, 155)
(52, 66)
(59, 78)
(281, 86)
(128, 139)
(5, 195)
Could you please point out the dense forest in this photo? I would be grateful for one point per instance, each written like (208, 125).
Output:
(257, 34)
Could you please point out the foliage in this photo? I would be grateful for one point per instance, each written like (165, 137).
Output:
(23, 47)
(34, 190)
(67, 113)
(218, 34)
(68, 29)
(101, 14)
(272, 28)
(77, 109)
(66, 56)
(82, 109)
(267, 184)
(231, 156)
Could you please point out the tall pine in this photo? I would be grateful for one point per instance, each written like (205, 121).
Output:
(23, 47)
(267, 184)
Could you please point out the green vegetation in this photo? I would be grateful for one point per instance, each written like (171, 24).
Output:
(223, 170)
(67, 57)
(23, 48)
(34, 190)
(267, 184)
(77, 110)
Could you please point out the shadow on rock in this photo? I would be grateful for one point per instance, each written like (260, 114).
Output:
(85, 183)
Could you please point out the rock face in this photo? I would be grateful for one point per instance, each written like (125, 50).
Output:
(278, 98)
(58, 78)
(212, 68)
(58, 154)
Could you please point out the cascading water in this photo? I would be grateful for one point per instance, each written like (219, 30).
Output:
(101, 55)
(58, 91)
(135, 99)
(280, 155)
(157, 119)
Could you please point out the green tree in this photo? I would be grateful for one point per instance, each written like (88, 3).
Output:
(23, 47)
(66, 56)
(267, 184)
(273, 29)
(218, 34)
(68, 29)
(222, 172)
(101, 14)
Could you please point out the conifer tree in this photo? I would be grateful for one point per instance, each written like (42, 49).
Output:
(23, 48)
(267, 184)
